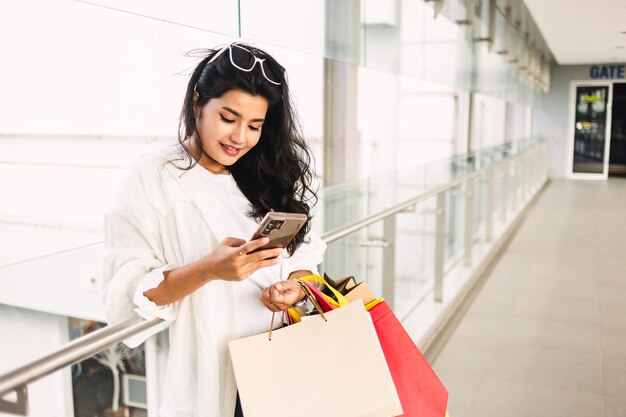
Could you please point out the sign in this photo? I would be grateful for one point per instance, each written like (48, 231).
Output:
(606, 71)
(592, 99)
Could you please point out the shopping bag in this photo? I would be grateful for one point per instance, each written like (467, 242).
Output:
(330, 365)
(421, 392)
(342, 285)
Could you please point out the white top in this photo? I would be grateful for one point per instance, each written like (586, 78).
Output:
(162, 218)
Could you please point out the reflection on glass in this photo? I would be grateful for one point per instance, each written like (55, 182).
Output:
(345, 31)
(110, 383)
(302, 21)
(219, 17)
(399, 37)
(590, 129)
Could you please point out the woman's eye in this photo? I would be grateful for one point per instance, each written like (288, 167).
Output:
(256, 129)
(226, 120)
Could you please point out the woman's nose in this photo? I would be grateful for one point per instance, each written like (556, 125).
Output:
(238, 135)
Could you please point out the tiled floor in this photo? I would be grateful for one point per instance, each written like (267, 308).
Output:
(546, 336)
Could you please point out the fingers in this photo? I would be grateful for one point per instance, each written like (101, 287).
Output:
(250, 247)
(281, 295)
(232, 242)
(267, 301)
(253, 245)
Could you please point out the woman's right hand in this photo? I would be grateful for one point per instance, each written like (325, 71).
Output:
(231, 260)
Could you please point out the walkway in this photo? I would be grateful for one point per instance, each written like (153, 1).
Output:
(546, 335)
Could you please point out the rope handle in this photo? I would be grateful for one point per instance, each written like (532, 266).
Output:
(310, 296)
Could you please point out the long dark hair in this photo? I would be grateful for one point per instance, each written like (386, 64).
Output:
(275, 175)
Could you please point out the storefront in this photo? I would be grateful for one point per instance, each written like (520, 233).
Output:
(597, 124)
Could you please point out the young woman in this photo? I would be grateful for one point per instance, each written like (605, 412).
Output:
(177, 233)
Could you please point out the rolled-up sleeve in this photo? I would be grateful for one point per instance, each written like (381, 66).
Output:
(132, 264)
(307, 257)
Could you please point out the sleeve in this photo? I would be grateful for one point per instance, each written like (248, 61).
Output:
(133, 263)
(307, 257)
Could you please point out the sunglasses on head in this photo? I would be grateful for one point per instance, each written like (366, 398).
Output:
(245, 60)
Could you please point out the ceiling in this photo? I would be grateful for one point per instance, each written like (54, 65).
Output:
(582, 31)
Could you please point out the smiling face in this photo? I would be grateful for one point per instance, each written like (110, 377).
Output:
(229, 126)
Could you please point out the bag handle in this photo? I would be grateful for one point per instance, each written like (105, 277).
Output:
(309, 294)
(340, 299)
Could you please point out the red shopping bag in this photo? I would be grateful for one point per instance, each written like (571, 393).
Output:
(421, 392)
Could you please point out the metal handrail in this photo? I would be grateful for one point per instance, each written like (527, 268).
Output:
(340, 232)
(75, 351)
(88, 345)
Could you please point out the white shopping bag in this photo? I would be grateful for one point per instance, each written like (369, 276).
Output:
(333, 368)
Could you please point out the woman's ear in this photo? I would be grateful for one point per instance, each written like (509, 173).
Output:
(196, 97)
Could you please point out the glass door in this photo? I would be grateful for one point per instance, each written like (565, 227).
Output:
(617, 155)
(589, 130)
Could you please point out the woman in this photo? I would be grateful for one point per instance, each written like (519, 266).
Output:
(176, 233)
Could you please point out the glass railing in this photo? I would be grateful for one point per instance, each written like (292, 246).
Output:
(496, 177)
(417, 236)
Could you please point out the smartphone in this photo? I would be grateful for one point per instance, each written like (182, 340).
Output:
(280, 228)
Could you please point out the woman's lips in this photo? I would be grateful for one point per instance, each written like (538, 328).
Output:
(230, 150)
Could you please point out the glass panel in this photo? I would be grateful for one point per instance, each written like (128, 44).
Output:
(455, 207)
(497, 193)
(590, 129)
(67, 282)
(382, 35)
(110, 382)
(345, 31)
(513, 45)
(432, 49)
(218, 17)
(480, 208)
(358, 253)
(455, 10)
(447, 54)
(415, 257)
(41, 213)
(260, 20)
(481, 24)
(500, 41)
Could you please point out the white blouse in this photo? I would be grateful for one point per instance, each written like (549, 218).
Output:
(162, 218)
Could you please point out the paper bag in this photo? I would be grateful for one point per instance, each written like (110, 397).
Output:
(420, 390)
(316, 368)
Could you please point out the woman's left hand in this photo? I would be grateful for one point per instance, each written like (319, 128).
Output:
(282, 295)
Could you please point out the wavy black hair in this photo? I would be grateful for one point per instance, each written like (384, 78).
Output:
(275, 175)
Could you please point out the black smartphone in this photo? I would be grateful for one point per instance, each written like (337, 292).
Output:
(280, 228)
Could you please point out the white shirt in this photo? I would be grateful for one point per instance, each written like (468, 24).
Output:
(162, 218)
